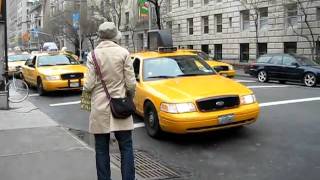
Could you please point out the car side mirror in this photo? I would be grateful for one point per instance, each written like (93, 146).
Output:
(31, 65)
(137, 78)
(295, 64)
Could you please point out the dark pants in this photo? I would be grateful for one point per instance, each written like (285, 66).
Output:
(124, 139)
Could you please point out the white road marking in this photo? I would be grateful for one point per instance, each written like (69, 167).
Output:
(245, 81)
(275, 103)
(65, 104)
(268, 86)
(33, 95)
(138, 125)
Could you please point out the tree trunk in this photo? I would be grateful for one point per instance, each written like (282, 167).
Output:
(157, 7)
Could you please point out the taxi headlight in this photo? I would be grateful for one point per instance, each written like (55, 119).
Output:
(177, 108)
(52, 78)
(248, 99)
(231, 67)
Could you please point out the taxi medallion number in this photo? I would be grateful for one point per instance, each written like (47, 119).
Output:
(226, 119)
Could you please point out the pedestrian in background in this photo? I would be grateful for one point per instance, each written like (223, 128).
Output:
(117, 72)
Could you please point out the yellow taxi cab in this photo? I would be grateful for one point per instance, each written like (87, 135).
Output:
(178, 92)
(15, 61)
(222, 68)
(54, 72)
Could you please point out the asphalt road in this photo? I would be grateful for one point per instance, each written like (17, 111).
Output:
(283, 144)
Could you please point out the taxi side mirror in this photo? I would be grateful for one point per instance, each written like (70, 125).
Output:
(137, 78)
(31, 65)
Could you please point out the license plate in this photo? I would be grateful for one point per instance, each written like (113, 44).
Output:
(74, 84)
(226, 119)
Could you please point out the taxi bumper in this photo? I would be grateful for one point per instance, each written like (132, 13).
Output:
(202, 122)
(60, 85)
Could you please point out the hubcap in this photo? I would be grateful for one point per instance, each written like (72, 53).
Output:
(262, 76)
(310, 80)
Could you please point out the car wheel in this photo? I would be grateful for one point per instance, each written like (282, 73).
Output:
(310, 80)
(40, 89)
(263, 76)
(282, 81)
(151, 120)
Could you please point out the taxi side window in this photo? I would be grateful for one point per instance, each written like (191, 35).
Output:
(136, 67)
(276, 60)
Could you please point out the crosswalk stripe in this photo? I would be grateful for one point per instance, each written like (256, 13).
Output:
(275, 103)
(65, 104)
(138, 125)
(245, 81)
(34, 95)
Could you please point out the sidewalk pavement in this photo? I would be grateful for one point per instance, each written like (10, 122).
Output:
(34, 147)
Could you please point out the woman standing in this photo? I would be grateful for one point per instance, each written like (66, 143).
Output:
(117, 72)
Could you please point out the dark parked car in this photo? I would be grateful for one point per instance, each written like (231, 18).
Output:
(285, 67)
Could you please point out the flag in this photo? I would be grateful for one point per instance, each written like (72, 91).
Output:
(143, 7)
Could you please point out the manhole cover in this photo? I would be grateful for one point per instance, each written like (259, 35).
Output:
(148, 168)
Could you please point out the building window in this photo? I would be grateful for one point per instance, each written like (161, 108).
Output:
(205, 2)
(190, 26)
(263, 21)
(190, 46)
(290, 47)
(218, 18)
(127, 17)
(245, 20)
(218, 51)
(205, 24)
(262, 49)
(205, 48)
(230, 21)
(126, 37)
(292, 13)
(179, 3)
(179, 28)
(190, 3)
(318, 50)
(169, 25)
(318, 13)
(169, 5)
(219, 1)
(244, 52)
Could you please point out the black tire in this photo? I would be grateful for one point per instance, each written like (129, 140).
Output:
(310, 80)
(40, 89)
(263, 76)
(282, 81)
(151, 120)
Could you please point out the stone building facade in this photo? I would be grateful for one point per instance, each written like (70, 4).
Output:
(226, 28)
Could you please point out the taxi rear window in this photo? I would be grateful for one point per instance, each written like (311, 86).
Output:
(56, 60)
(177, 66)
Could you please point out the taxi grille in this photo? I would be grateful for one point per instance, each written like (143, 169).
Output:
(221, 68)
(218, 103)
(72, 76)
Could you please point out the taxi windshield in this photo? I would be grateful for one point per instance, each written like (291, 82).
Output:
(22, 57)
(177, 66)
(56, 60)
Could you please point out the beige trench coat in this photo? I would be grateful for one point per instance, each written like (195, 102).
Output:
(117, 71)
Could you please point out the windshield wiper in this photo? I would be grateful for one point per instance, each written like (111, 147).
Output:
(62, 64)
(161, 77)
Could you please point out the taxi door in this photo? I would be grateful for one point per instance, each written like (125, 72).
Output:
(138, 101)
(32, 71)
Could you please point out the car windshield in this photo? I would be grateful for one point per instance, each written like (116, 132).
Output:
(204, 56)
(56, 60)
(22, 57)
(305, 61)
(177, 66)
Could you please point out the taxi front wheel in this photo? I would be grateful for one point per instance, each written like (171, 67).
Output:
(40, 89)
(151, 120)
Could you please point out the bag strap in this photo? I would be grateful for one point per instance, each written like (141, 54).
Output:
(100, 74)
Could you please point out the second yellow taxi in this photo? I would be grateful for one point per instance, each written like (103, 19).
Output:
(53, 72)
(178, 92)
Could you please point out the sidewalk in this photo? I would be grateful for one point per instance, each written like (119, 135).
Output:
(34, 147)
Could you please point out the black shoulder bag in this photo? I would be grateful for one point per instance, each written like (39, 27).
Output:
(121, 108)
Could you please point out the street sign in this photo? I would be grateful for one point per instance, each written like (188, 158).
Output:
(76, 20)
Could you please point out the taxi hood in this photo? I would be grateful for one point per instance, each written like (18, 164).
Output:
(63, 69)
(189, 89)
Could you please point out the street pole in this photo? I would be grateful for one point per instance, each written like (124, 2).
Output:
(80, 33)
(4, 93)
(150, 26)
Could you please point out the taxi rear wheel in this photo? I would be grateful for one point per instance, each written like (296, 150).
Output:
(151, 120)
(40, 89)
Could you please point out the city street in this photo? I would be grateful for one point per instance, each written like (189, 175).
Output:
(282, 144)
